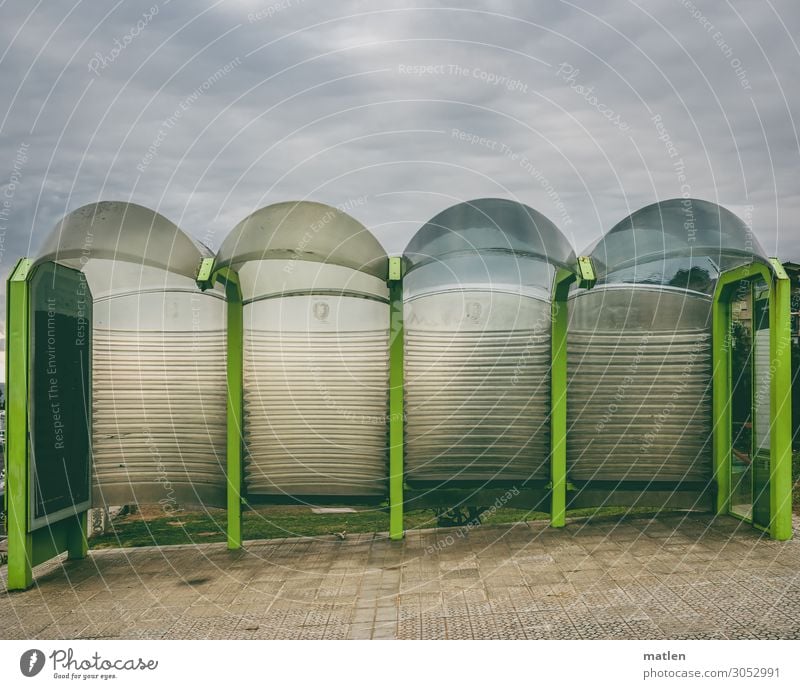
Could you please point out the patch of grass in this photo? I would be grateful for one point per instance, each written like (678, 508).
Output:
(151, 527)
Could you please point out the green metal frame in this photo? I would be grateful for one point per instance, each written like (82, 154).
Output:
(20, 542)
(558, 486)
(564, 278)
(780, 475)
(206, 277)
(235, 365)
(558, 398)
(396, 401)
(27, 548)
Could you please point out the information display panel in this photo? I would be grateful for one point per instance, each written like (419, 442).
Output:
(60, 373)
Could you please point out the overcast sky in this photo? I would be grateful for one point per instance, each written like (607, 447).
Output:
(584, 110)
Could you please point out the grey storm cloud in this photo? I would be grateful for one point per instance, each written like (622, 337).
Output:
(207, 111)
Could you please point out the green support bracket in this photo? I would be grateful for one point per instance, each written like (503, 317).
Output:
(778, 269)
(20, 540)
(721, 391)
(235, 365)
(395, 268)
(558, 397)
(205, 274)
(780, 482)
(396, 403)
(586, 273)
(21, 270)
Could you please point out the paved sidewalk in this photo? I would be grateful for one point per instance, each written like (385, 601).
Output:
(677, 577)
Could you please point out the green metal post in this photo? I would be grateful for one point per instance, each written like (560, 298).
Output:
(558, 398)
(721, 395)
(396, 411)
(78, 537)
(235, 354)
(20, 540)
(780, 480)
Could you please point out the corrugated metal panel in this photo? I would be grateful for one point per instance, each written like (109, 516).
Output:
(761, 394)
(639, 393)
(158, 419)
(477, 388)
(315, 394)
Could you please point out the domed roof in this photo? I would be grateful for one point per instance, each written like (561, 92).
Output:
(676, 228)
(489, 225)
(121, 231)
(307, 231)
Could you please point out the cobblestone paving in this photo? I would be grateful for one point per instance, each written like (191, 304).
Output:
(686, 577)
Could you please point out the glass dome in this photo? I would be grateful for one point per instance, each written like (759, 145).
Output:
(477, 315)
(158, 356)
(486, 241)
(316, 321)
(639, 352)
(681, 243)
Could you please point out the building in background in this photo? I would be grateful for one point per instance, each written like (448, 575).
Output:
(793, 271)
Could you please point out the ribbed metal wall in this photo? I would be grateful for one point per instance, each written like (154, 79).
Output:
(477, 389)
(158, 408)
(316, 376)
(761, 393)
(639, 393)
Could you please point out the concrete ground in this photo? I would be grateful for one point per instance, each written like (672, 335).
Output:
(687, 576)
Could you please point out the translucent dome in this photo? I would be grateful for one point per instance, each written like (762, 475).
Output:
(305, 231)
(679, 242)
(497, 243)
(121, 231)
(489, 225)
